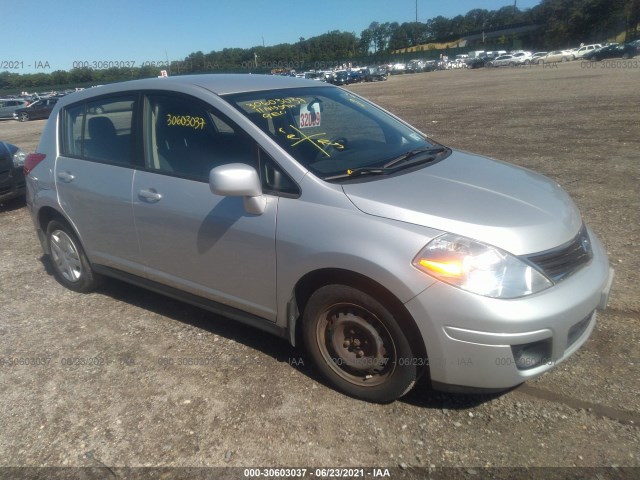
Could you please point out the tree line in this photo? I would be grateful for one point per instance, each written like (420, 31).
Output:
(562, 23)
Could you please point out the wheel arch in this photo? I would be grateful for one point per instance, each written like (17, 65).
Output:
(312, 281)
(46, 215)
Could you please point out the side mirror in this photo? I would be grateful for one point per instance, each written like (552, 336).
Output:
(239, 180)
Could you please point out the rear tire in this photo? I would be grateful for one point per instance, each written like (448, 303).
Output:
(358, 345)
(70, 264)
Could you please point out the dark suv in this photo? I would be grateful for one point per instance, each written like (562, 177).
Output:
(12, 183)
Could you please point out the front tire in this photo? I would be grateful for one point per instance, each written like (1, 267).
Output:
(70, 264)
(23, 117)
(357, 344)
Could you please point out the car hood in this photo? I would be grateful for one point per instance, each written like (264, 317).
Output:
(494, 202)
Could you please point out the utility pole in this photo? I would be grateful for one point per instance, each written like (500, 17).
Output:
(416, 11)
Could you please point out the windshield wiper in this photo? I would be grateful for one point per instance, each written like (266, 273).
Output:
(386, 169)
(413, 153)
(361, 171)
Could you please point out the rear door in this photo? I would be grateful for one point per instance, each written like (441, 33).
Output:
(93, 175)
(190, 238)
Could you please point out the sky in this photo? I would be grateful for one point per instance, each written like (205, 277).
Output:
(62, 33)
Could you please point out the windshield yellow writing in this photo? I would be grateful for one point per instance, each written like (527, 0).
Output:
(274, 107)
(320, 143)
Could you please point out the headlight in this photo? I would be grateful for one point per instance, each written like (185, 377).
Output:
(18, 158)
(479, 268)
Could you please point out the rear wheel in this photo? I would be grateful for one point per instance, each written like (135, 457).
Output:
(70, 264)
(358, 345)
(626, 56)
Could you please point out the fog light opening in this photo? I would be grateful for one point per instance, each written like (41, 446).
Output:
(531, 355)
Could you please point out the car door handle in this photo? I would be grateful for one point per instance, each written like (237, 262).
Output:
(150, 195)
(66, 177)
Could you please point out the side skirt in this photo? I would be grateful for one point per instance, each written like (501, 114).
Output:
(200, 302)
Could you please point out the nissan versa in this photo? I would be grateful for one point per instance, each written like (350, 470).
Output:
(307, 211)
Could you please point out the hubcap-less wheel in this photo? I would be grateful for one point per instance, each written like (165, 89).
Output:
(359, 344)
(356, 345)
(65, 256)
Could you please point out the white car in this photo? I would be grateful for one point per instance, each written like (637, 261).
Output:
(505, 60)
(580, 52)
(556, 56)
(537, 56)
(522, 58)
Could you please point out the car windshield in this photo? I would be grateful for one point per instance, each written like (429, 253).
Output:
(329, 130)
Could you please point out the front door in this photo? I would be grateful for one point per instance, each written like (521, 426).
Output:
(190, 238)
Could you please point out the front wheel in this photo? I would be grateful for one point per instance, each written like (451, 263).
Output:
(358, 345)
(70, 264)
(23, 117)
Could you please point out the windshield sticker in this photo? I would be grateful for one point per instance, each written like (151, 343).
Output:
(416, 137)
(316, 140)
(197, 123)
(309, 115)
(274, 107)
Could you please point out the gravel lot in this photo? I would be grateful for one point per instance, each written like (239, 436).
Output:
(155, 382)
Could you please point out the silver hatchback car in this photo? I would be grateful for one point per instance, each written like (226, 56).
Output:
(304, 210)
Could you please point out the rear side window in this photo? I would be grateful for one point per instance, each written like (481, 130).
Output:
(100, 130)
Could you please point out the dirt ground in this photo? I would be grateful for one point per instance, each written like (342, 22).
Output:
(130, 378)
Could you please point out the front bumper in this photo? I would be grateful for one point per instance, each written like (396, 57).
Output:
(475, 342)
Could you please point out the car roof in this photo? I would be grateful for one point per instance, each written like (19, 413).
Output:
(219, 84)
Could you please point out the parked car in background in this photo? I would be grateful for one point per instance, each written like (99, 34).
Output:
(537, 55)
(313, 76)
(227, 191)
(495, 54)
(415, 66)
(375, 74)
(355, 76)
(636, 44)
(38, 109)
(504, 60)
(477, 62)
(522, 58)
(626, 50)
(340, 77)
(10, 105)
(398, 68)
(12, 182)
(580, 52)
(430, 65)
(556, 56)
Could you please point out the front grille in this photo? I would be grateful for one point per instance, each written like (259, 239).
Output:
(559, 263)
